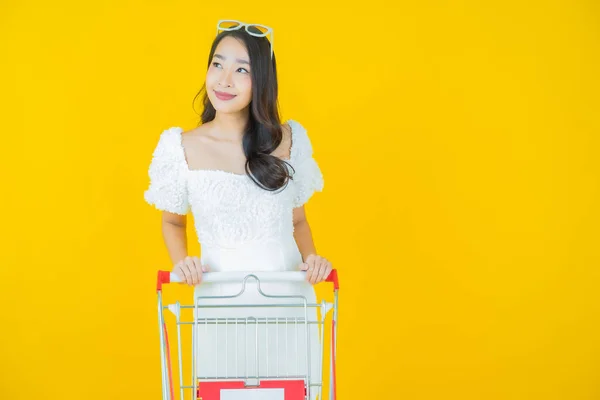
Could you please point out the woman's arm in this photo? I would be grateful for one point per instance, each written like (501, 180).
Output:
(303, 234)
(174, 230)
(317, 267)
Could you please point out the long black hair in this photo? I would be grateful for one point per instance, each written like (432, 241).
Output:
(263, 133)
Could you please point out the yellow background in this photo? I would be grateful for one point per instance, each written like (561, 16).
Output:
(459, 144)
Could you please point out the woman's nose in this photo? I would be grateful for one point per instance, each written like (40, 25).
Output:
(225, 79)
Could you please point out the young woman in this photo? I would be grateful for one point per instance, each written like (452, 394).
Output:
(245, 176)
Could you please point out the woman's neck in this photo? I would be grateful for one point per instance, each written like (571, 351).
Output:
(230, 127)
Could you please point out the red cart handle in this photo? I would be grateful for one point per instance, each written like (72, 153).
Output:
(163, 277)
(333, 278)
(212, 277)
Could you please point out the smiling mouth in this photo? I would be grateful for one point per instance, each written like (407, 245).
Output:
(224, 96)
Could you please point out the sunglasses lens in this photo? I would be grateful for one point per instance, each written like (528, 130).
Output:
(258, 29)
(228, 25)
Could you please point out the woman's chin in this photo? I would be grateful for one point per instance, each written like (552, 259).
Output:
(227, 108)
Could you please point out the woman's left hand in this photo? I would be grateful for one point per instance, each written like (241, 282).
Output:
(317, 268)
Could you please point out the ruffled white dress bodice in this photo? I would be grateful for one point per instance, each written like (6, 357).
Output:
(231, 212)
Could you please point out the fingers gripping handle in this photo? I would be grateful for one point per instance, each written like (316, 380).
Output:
(223, 277)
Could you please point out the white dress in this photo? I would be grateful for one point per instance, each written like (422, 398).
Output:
(242, 227)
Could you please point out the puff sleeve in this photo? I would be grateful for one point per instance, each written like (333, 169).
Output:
(307, 177)
(167, 190)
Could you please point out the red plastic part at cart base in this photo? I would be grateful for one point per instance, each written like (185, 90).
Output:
(163, 277)
(333, 278)
(293, 390)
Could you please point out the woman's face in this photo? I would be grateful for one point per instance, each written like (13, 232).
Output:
(228, 80)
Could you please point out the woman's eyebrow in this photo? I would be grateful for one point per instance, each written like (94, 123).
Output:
(239, 60)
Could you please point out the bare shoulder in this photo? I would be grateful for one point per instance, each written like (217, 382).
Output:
(284, 149)
(197, 139)
(287, 129)
(199, 131)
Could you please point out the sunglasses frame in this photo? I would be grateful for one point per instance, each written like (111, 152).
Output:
(246, 26)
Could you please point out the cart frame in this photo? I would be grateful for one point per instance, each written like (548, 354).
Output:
(297, 387)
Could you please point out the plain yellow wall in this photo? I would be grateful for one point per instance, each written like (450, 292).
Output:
(459, 144)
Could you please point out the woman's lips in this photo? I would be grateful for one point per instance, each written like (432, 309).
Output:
(224, 96)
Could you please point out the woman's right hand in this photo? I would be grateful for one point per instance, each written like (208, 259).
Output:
(190, 270)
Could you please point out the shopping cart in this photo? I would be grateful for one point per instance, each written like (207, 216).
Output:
(251, 379)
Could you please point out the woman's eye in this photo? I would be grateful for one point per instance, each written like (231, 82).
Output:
(216, 64)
